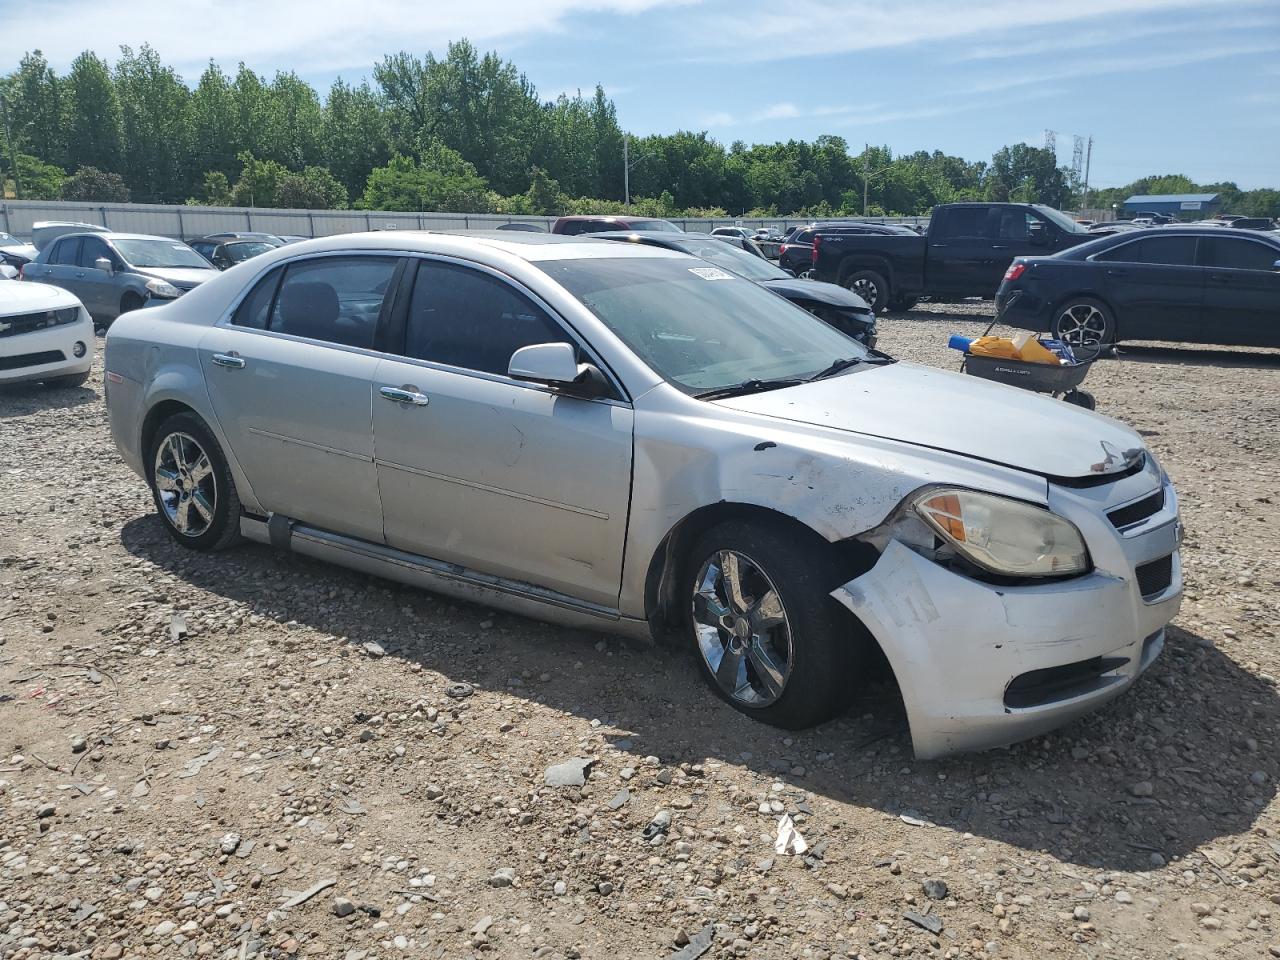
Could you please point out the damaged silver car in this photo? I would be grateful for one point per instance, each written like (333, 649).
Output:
(633, 440)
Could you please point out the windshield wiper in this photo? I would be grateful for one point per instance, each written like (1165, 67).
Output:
(876, 358)
(747, 386)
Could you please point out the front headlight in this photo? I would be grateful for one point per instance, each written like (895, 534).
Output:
(164, 289)
(1003, 536)
(66, 315)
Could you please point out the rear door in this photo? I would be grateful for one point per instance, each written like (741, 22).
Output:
(959, 251)
(1242, 291)
(498, 475)
(290, 375)
(1155, 287)
(61, 265)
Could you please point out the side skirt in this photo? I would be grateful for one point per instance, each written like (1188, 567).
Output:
(437, 576)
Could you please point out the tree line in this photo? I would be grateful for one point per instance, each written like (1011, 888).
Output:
(465, 132)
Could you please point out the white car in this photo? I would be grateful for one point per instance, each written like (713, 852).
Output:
(627, 438)
(45, 335)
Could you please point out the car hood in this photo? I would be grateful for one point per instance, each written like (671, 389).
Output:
(831, 294)
(184, 278)
(22, 250)
(23, 296)
(961, 414)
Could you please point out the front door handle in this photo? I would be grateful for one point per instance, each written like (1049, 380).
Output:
(233, 360)
(80, 275)
(406, 394)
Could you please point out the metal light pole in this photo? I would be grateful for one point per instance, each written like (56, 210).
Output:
(1084, 196)
(13, 157)
(626, 169)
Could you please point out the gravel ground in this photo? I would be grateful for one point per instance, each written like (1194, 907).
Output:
(188, 743)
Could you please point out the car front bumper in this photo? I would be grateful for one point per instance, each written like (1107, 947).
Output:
(44, 354)
(982, 666)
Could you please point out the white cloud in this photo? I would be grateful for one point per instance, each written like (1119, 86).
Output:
(310, 36)
(817, 27)
(718, 120)
(779, 111)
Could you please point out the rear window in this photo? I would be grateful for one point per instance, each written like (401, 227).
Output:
(1172, 251)
(663, 226)
(802, 236)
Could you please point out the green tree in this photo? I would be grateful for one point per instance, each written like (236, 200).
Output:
(1028, 174)
(215, 191)
(315, 188)
(296, 121)
(259, 182)
(214, 129)
(154, 108)
(92, 115)
(443, 181)
(354, 134)
(90, 183)
(35, 98)
(40, 180)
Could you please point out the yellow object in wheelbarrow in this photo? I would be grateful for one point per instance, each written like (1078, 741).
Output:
(1024, 347)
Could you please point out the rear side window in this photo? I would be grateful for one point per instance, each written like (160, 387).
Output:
(466, 318)
(337, 299)
(66, 252)
(1237, 254)
(256, 307)
(802, 236)
(573, 227)
(962, 222)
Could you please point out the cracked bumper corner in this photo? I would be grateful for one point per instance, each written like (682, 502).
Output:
(956, 645)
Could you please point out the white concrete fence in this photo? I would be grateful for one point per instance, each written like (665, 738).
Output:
(187, 223)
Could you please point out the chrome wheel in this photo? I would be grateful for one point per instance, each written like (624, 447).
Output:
(1083, 327)
(809, 274)
(742, 629)
(184, 480)
(866, 288)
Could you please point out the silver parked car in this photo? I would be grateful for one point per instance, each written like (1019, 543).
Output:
(632, 439)
(113, 273)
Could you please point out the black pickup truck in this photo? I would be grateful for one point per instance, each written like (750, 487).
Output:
(965, 253)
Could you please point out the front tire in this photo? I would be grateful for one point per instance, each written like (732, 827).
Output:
(768, 639)
(1084, 324)
(871, 287)
(191, 484)
(902, 304)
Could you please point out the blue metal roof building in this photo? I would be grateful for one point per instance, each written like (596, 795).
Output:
(1178, 204)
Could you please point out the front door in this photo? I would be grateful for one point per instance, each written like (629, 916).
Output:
(291, 379)
(1155, 287)
(1241, 292)
(497, 475)
(959, 252)
(97, 289)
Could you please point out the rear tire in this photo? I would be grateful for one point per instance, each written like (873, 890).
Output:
(191, 484)
(1084, 324)
(777, 648)
(871, 287)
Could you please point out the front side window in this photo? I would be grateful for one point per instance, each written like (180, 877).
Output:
(698, 326)
(662, 226)
(337, 299)
(1238, 254)
(466, 318)
(91, 248)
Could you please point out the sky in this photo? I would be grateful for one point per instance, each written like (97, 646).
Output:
(1162, 86)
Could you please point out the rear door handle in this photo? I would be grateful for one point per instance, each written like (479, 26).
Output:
(406, 394)
(232, 360)
(80, 275)
(999, 246)
(1117, 273)
(1219, 278)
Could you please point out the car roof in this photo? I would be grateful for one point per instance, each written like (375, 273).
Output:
(532, 247)
(112, 235)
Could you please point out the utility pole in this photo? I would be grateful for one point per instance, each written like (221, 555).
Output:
(13, 157)
(866, 174)
(626, 169)
(1084, 196)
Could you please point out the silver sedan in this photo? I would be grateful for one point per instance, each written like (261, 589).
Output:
(635, 440)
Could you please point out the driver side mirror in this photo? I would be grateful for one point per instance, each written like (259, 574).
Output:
(556, 365)
(1276, 265)
(10, 272)
(103, 264)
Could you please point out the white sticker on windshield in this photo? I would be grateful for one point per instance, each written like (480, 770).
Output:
(179, 246)
(711, 273)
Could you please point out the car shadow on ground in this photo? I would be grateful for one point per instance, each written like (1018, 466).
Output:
(1198, 728)
(25, 399)
(1199, 356)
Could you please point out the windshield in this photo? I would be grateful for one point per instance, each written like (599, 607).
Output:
(8, 240)
(664, 226)
(159, 253)
(1061, 219)
(237, 252)
(699, 327)
(732, 258)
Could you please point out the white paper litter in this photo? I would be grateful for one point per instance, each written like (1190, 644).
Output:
(789, 839)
